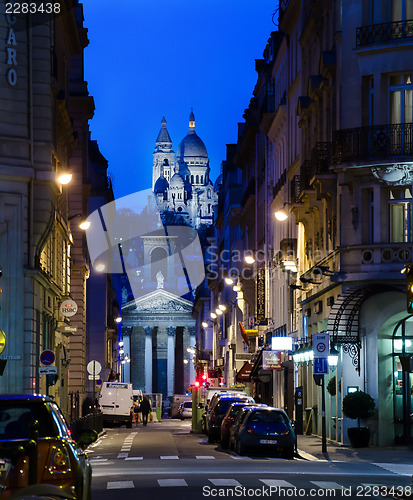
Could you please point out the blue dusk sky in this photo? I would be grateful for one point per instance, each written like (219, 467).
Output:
(151, 58)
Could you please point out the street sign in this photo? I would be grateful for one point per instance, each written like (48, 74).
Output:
(320, 366)
(47, 370)
(99, 382)
(47, 357)
(68, 329)
(2, 341)
(94, 368)
(321, 345)
(93, 377)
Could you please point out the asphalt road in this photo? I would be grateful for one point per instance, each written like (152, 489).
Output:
(166, 461)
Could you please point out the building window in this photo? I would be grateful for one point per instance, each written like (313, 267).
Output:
(209, 208)
(197, 179)
(400, 203)
(401, 92)
(192, 179)
(401, 10)
(209, 193)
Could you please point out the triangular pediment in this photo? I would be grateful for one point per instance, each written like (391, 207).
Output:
(158, 302)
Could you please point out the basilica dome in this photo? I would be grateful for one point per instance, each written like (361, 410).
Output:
(191, 146)
(177, 181)
(161, 185)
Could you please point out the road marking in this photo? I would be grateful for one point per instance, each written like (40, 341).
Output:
(172, 482)
(225, 482)
(204, 457)
(122, 455)
(237, 457)
(98, 460)
(324, 485)
(275, 458)
(169, 457)
(280, 483)
(134, 458)
(399, 469)
(117, 485)
(308, 456)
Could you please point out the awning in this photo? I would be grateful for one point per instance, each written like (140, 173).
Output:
(343, 320)
(244, 373)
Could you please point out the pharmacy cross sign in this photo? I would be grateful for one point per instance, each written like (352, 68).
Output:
(321, 345)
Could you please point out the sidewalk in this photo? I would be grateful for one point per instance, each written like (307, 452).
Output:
(392, 454)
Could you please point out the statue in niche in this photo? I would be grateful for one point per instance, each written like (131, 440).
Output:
(160, 279)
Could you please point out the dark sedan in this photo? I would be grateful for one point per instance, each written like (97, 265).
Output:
(229, 419)
(217, 412)
(266, 430)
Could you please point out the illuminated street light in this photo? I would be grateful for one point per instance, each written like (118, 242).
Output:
(100, 267)
(249, 259)
(118, 319)
(222, 307)
(213, 315)
(281, 214)
(218, 311)
(229, 281)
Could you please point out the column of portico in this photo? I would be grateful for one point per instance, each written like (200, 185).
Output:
(148, 358)
(171, 331)
(192, 343)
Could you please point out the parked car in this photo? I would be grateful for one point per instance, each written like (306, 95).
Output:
(219, 407)
(56, 459)
(266, 429)
(229, 419)
(185, 410)
(233, 432)
(210, 395)
(117, 402)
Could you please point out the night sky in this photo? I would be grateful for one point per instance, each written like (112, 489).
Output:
(151, 58)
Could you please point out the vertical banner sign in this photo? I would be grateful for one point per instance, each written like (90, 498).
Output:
(260, 312)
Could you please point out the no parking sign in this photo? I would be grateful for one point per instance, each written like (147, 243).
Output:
(321, 345)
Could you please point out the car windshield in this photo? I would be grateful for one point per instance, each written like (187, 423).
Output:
(223, 406)
(15, 417)
(268, 417)
(188, 404)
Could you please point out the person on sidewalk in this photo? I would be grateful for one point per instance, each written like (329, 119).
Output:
(145, 410)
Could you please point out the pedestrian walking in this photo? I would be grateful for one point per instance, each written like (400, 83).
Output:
(145, 409)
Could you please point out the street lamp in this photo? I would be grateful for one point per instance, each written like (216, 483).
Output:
(333, 358)
(84, 224)
(281, 214)
(64, 176)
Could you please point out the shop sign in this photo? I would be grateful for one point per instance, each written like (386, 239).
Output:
(244, 373)
(11, 52)
(246, 356)
(260, 311)
(68, 308)
(251, 333)
(271, 360)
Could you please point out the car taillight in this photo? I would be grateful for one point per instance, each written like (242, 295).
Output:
(250, 430)
(285, 432)
(59, 461)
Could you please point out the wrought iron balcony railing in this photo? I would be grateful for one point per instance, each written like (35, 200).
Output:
(372, 143)
(385, 32)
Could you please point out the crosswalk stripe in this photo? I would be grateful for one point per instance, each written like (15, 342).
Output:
(117, 485)
(237, 457)
(134, 458)
(204, 457)
(400, 469)
(280, 483)
(169, 457)
(172, 482)
(225, 482)
(327, 485)
(122, 455)
(97, 460)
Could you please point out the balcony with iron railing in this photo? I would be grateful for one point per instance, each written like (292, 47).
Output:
(377, 142)
(384, 32)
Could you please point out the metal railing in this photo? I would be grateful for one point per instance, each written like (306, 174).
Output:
(92, 421)
(372, 143)
(384, 32)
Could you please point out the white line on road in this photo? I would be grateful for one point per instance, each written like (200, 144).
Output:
(134, 458)
(308, 456)
(117, 485)
(169, 457)
(122, 455)
(280, 483)
(324, 485)
(400, 469)
(204, 457)
(98, 460)
(172, 482)
(225, 482)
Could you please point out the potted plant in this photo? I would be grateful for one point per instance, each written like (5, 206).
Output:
(358, 405)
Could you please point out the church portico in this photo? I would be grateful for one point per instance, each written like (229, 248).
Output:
(161, 329)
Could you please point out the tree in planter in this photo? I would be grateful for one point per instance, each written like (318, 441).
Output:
(358, 405)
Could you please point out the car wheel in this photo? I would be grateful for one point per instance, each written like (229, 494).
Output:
(288, 453)
(240, 448)
(224, 442)
(210, 438)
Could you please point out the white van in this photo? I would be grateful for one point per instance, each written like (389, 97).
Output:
(116, 401)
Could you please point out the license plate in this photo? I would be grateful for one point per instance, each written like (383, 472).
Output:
(268, 441)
